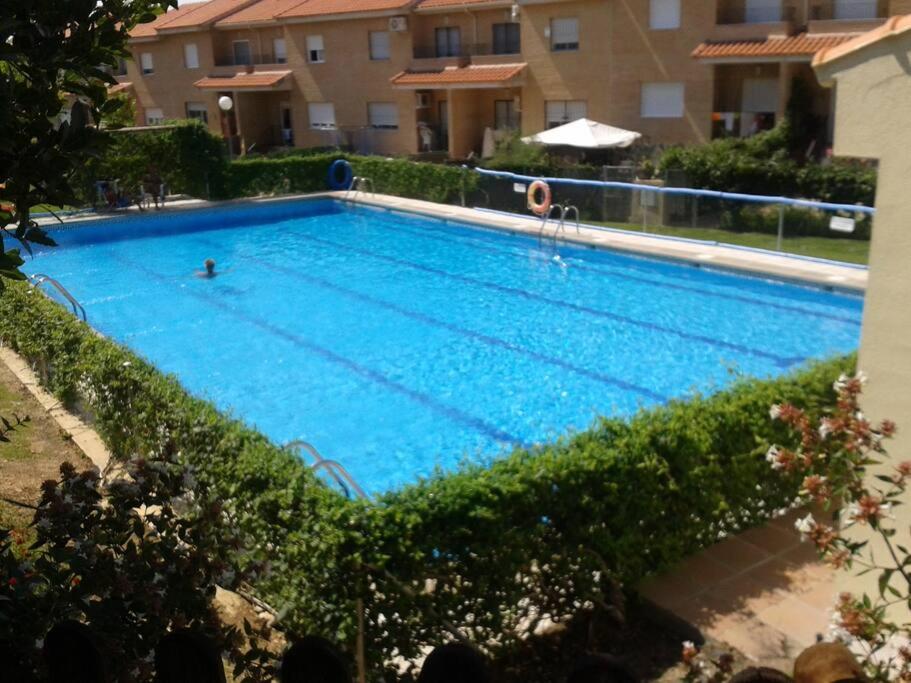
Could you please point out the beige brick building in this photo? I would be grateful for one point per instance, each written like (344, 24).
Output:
(412, 76)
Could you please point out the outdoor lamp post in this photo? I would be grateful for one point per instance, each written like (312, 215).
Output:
(226, 104)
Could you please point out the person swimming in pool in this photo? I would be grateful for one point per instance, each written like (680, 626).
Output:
(209, 271)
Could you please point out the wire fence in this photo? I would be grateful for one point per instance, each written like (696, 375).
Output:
(616, 199)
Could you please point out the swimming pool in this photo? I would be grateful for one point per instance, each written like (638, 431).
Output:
(397, 343)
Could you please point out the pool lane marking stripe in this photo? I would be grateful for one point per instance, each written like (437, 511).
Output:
(479, 336)
(781, 361)
(475, 243)
(491, 431)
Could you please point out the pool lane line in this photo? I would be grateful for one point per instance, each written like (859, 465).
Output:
(465, 332)
(780, 361)
(479, 425)
(422, 231)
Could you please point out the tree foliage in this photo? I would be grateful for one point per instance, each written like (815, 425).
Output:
(52, 55)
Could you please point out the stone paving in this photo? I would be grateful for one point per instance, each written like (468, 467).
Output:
(763, 592)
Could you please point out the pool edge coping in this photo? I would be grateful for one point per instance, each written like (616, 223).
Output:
(829, 275)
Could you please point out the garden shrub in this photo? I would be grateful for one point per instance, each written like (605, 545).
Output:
(308, 173)
(540, 532)
(798, 222)
(762, 165)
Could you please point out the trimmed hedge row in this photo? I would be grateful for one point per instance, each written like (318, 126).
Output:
(416, 180)
(488, 550)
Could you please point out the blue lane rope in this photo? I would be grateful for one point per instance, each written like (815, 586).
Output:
(714, 194)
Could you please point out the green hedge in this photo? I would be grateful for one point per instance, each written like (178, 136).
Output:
(798, 222)
(309, 173)
(537, 532)
(761, 165)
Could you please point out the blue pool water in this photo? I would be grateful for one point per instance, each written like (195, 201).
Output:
(396, 343)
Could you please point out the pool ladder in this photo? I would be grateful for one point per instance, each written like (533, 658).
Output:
(360, 185)
(333, 467)
(39, 279)
(564, 211)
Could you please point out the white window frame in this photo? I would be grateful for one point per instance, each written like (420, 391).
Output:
(664, 15)
(279, 51)
(383, 115)
(564, 34)
(146, 63)
(558, 112)
(317, 115)
(199, 107)
(191, 56)
(234, 44)
(664, 100)
(374, 56)
(316, 50)
(154, 116)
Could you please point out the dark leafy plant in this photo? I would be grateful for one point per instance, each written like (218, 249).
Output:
(54, 54)
(132, 557)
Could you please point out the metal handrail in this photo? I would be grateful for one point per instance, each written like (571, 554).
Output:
(39, 279)
(335, 468)
(339, 473)
(359, 184)
(546, 217)
(565, 211)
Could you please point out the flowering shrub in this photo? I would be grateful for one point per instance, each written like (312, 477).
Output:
(133, 558)
(833, 458)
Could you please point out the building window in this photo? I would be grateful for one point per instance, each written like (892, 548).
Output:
(558, 112)
(664, 15)
(762, 11)
(662, 100)
(190, 56)
(316, 53)
(448, 41)
(279, 52)
(322, 115)
(379, 45)
(242, 52)
(145, 61)
(505, 115)
(121, 67)
(855, 9)
(564, 34)
(154, 116)
(198, 111)
(506, 39)
(384, 115)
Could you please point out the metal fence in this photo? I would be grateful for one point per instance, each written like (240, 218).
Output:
(614, 198)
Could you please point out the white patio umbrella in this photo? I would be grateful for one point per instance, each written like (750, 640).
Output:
(585, 134)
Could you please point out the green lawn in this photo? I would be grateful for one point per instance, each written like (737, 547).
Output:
(849, 251)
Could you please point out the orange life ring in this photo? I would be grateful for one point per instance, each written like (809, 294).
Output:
(542, 207)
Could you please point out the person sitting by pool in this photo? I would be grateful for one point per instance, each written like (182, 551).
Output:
(209, 271)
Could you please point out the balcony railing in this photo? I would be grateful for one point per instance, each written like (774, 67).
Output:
(230, 60)
(743, 12)
(848, 10)
(468, 50)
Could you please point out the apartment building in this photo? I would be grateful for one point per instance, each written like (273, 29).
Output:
(412, 76)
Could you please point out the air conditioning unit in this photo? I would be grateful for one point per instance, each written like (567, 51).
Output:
(398, 24)
(422, 100)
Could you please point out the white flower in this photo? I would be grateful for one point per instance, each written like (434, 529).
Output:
(126, 363)
(805, 526)
(772, 457)
(825, 428)
(775, 411)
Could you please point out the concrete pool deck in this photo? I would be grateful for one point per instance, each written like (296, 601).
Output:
(793, 268)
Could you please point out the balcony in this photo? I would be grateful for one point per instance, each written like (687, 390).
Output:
(849, 10)
(756, 12)
(251, 60)
(450, 52)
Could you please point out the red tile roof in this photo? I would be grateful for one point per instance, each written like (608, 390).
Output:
(264, 10)
(243, 81)
(311, 8)
(206, 13)
(474, 74)
(433, 4)
(801, 45)
(150, 29)
(894, 27)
